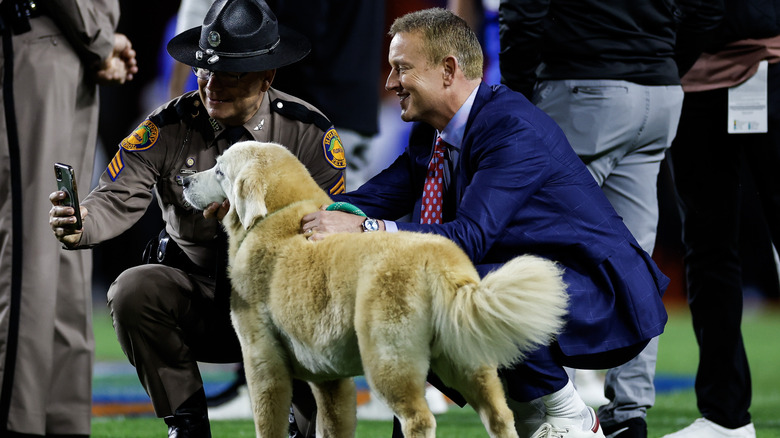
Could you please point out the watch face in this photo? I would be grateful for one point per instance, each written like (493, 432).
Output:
(370, 224)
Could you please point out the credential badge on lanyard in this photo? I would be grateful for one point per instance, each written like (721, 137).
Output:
(748, 104)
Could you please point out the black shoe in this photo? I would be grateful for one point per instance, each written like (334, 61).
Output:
(191, 419)
(188, 426)
(632, 428)
(294, 431)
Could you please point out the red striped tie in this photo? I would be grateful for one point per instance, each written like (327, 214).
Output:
(433, 194)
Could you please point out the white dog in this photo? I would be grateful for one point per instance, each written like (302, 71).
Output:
(385, 305)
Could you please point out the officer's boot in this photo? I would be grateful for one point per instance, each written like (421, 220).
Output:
(301, 426)
(191, 419)
(303, 412)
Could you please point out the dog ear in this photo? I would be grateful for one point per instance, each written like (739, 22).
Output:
(249, 199)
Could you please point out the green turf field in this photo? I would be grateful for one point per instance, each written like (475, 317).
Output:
(673, 410)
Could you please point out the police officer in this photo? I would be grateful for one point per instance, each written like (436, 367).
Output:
(172, 312)
(54, 55)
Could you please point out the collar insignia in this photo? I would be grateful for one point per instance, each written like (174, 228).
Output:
(214, 125)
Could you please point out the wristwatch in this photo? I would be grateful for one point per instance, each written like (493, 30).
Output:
(370, 225)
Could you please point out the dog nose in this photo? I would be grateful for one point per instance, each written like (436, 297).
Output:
(186, 181)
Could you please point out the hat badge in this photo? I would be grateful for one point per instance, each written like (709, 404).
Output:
(214, 38)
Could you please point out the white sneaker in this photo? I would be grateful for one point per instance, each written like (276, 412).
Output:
(704, 428)
(559, 427)
(436, 401)
(240, 408)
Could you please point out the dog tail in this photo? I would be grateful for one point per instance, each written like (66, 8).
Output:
(505, 316)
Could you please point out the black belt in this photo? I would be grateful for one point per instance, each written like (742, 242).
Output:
(165, 251)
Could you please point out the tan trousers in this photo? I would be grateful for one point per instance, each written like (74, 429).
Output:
(57, 121)
(166, 323)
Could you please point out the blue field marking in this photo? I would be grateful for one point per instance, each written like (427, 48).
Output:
(672, 383)
(117, 382)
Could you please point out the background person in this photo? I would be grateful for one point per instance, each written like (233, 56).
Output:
(709, 158)
(54, 56)
(606, 73)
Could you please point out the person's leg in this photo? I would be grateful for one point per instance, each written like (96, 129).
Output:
(526, 384)
(540, 394)
(629, 387)
(154, 314)
(164, 325)
(632, 190)
(704, 162)
(631, 392)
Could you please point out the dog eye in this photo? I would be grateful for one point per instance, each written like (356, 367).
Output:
(219, 172)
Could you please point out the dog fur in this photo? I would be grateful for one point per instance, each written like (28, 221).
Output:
(385, 305)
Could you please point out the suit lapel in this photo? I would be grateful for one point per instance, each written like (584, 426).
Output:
(462, 173)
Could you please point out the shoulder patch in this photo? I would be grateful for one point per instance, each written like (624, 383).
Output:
(297, 111)
(116, 165)
(143, 138)
(333, 149)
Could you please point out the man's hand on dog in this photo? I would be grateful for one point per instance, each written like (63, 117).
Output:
(217, 210)
(317, 225)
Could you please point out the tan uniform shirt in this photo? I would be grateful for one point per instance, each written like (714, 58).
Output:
(179, 139)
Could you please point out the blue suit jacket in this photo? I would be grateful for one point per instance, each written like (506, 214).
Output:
(520, 188)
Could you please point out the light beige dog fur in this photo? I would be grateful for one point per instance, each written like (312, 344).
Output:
(384, 305)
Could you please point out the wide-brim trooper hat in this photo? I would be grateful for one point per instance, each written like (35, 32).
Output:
(239, 36)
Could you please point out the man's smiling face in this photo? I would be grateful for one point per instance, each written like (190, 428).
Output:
(416, 82)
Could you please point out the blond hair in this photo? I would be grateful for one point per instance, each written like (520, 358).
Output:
(444, 34)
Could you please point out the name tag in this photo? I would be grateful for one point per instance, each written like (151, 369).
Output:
(748, 104)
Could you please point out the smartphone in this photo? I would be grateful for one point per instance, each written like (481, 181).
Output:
(66, 182)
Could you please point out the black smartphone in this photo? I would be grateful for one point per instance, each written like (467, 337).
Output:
(66, 182)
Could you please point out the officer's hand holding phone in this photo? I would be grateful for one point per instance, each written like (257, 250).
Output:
(66, 215)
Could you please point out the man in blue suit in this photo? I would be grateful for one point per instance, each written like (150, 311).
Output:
(511, 185)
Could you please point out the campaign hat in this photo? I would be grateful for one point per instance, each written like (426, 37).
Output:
(239, 36)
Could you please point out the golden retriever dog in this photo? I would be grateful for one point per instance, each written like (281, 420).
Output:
(389, 306)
